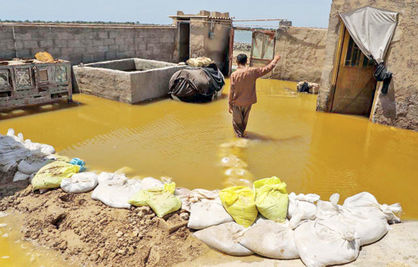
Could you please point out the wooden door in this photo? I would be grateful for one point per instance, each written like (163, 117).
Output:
(355, 84)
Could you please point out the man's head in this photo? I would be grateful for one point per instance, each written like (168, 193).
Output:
(242, 59)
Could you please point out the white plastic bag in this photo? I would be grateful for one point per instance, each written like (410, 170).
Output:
(19, 176)
(270, 239)
(319, 244)
(329, 239)
(368, 202)
(188, 198)
(206, 213)
(115, 189)
(151, 183)
(224, 237)
(79, 182)
(301, 207)
(11, 152)
(30, 166)
(369, 218)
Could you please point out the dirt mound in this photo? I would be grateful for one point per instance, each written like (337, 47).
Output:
(86, 231)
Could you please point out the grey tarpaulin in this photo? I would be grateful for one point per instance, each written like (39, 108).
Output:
(372, 30)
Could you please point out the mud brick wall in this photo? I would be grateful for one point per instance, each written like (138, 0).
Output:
(399, 107)
(302, 53)
(88, 43)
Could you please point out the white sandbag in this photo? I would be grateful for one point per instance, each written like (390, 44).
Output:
(79, 182)
(330, 238)
(109, 177)
(270, 239)
(224, 237)
(38, 149)
(19, 176)
(30, 166)
(319, 244)
(367, 201)
(115, 189)
(11, 152)
(369, 218)
(369, 226)
(301, 207)
(187, 199)
(206, 213)
(151, 183)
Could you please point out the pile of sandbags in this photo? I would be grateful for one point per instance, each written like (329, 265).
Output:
(321, 233)
(22, 158)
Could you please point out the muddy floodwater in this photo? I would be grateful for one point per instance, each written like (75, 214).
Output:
(312, 152)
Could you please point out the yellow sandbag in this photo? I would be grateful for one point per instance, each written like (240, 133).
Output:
(139, 199)
(170, 187)
(239, 203)
(161, 201)
(51, 175)
(44, 57)
(271, 198)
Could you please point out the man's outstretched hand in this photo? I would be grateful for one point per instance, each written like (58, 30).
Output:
(276, 58)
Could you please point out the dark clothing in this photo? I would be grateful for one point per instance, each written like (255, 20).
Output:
(240, 118)
(382, 74)
(196, 84)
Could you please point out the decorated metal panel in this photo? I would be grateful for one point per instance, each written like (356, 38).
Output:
(26, 83)
(5, 80)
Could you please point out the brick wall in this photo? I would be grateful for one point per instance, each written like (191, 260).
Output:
(88, 43)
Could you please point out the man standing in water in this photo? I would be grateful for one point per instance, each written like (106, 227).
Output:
(242, 93)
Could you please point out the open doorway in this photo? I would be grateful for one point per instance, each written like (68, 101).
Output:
(262, 48)
(355, 85)
(241, 45)
(184, 41)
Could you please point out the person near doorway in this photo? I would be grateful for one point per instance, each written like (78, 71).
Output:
(242, 93)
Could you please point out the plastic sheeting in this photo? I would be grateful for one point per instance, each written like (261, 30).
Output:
(372, 30)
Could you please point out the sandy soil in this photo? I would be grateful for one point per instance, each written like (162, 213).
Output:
(88, 232)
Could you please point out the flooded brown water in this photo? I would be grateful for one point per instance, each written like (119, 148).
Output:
(18, 253)
(312, 152)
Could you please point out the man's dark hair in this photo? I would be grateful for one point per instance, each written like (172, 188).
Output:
(242, 59)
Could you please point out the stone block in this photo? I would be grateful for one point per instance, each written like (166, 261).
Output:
(46, 43)
(74, 43)
(103, 35)
(109, 41)
(60, 43)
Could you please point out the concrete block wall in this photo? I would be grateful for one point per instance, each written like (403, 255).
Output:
(88, 43)
(302, 53)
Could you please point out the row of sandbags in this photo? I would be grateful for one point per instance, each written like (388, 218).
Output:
(321, 233)
(113, 189)
(21, 156)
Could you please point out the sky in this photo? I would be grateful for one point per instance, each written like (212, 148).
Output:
(302, 13)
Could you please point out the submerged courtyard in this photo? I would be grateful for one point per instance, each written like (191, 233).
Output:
(310, 151)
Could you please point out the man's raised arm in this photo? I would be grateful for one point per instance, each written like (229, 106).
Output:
(266, 69)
